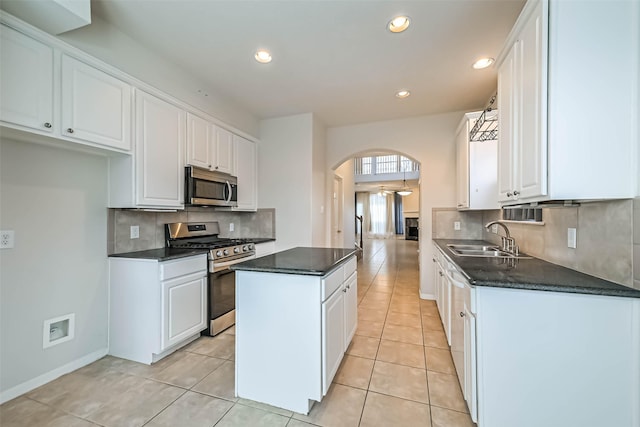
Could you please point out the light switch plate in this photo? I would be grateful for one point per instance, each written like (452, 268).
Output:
(232, 226)
(456, 225)
(571, 238)
(135, 232)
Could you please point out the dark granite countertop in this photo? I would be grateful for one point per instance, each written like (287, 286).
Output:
(300, 260)
(161, 254)
(532, 274)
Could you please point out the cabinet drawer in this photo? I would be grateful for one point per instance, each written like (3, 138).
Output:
(180, 267)
(349, 267)
(332, 282)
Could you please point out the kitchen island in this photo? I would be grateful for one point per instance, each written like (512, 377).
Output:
(296, 312)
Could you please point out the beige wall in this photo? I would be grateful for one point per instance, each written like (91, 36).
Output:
(55, 201)
(345, 171)
(429, 140)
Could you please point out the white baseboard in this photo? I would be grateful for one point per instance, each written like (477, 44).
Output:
(427, 296)
(36, 382)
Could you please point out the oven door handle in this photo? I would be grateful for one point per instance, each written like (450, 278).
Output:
(220, 266)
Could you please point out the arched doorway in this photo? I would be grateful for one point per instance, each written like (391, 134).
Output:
(371, 206)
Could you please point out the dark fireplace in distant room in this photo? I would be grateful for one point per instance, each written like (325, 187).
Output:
(411, 228)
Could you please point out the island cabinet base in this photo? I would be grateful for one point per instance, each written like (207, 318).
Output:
(290, 337)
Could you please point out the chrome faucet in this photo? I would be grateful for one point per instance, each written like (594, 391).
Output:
(508, 242)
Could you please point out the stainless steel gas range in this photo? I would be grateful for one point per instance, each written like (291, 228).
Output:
(222, 253)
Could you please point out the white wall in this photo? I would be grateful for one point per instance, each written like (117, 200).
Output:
(411, 204)
(428, 139)
(284, 177)
(55, 201)
(110, 45)
(318, 167)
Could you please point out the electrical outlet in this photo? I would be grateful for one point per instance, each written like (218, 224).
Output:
(6, 239)
(494, 228)
(232, 226)
(456, 225)
(135, 232)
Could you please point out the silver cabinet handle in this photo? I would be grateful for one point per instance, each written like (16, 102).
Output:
(216, 167)
(515, 193)
(440, 273)
(344, 290)
(433, 259)
(47, 125)
(69, 130)
(461, 314)
(509, 194)
(210, 166)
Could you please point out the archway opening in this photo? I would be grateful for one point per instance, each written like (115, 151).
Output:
(375, 196)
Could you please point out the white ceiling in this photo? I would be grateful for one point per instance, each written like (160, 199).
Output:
(333, 58)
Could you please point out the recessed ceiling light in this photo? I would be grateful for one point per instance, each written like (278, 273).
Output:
(263, 56)
(403, 93)
(482, 63)
(399, 24)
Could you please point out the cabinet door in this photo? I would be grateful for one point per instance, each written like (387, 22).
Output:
(350, 308)
(199, 142)
(470, 388)
(96, 107)
(507, 101)
(246, 171)
(223, 154)
(184, 305)
(531, 178)
(26, 81)
(462, 162)
(159, 152)
(332, 337)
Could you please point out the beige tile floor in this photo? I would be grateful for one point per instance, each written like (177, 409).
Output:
(397, 372)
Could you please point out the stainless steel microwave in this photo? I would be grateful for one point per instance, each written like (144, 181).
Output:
(207, 188)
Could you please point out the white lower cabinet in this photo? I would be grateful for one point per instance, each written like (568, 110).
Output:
(532, 358)
(350, 308)
(155, 307)
(291, 334)
(333, 333)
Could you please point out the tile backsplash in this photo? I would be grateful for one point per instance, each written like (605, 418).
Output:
(246, 224)
(608, 236)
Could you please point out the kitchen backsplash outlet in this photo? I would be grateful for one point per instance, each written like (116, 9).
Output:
(444, 224)
(151, 226)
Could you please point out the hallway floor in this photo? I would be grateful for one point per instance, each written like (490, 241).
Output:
(397, 372)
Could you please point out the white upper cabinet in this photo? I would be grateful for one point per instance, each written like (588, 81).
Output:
(568, 123)
(26, 81)
(477, 163)
(199, 142)
(160, 136)
(223, 151)
(96, 106)
(523, 88)
(209, 146)
(246, 170)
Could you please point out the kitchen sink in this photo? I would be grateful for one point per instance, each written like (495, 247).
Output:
(486, 251)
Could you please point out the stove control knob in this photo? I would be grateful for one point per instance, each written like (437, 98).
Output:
(236, 250)
(249, 247)
(245, 248)
(219, 253)
(226, 251)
